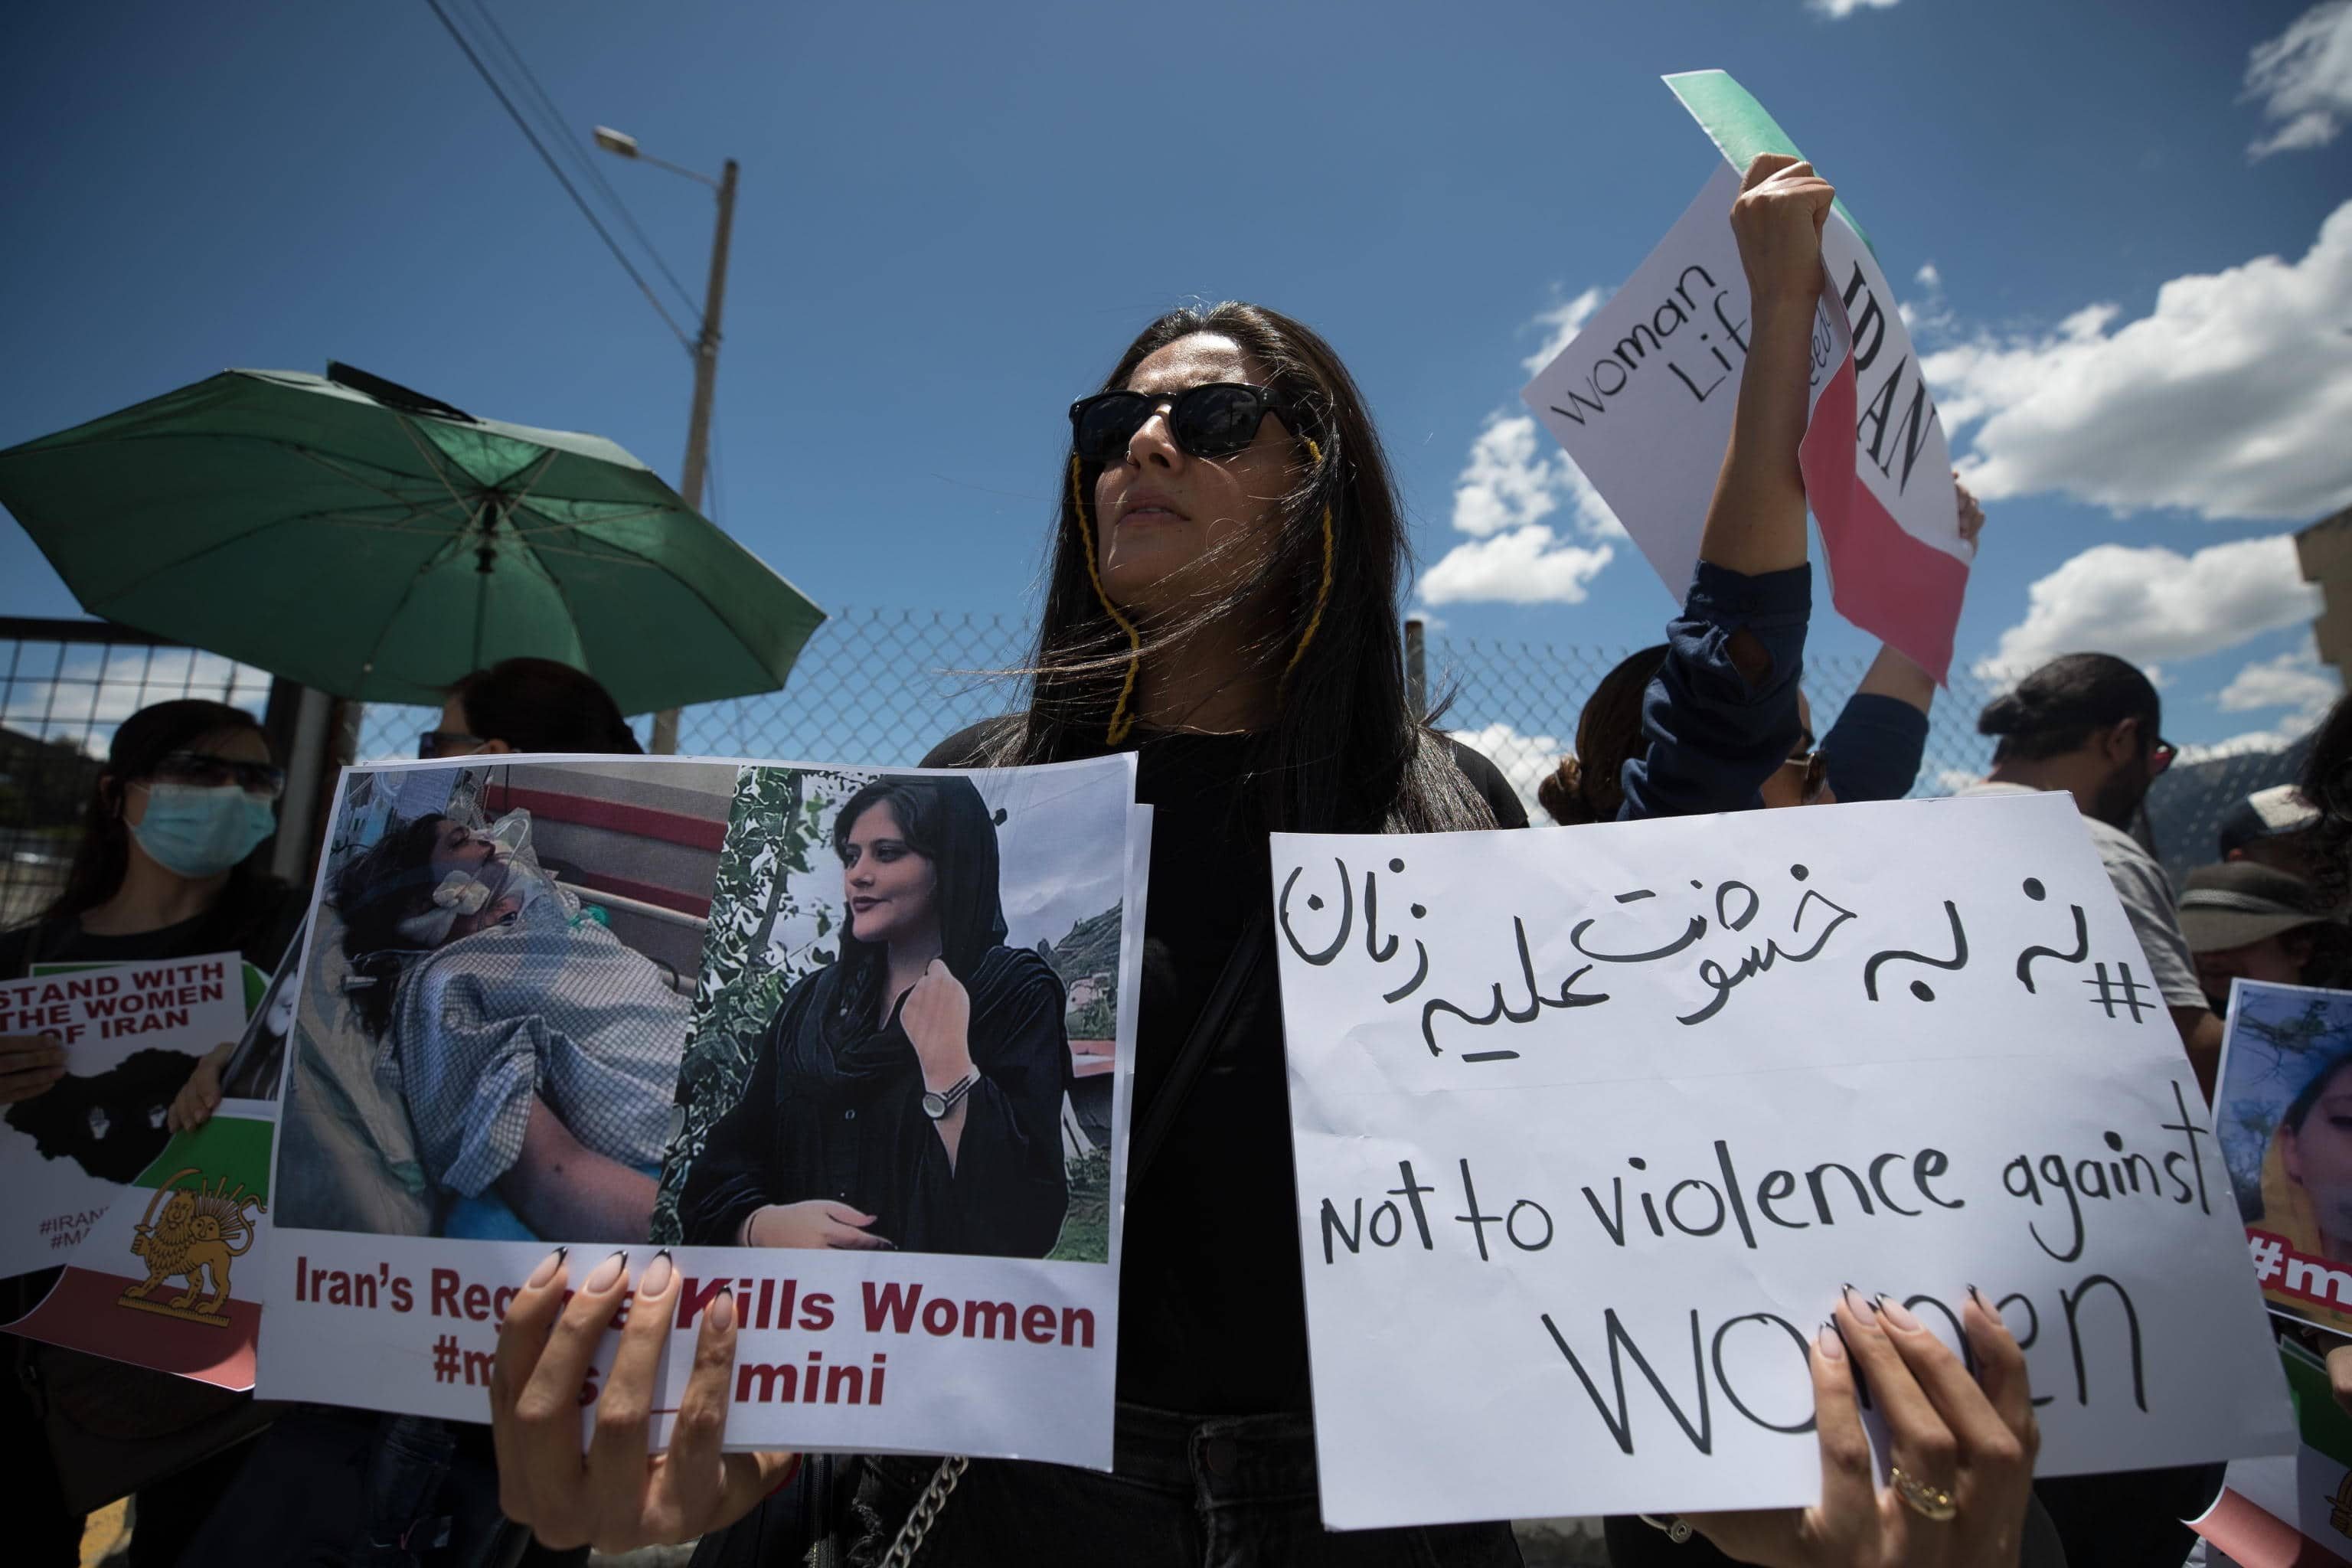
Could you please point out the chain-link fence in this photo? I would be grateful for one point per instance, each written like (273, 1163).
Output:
(881, 687)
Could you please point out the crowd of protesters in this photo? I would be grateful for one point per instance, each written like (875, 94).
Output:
(1222, 598)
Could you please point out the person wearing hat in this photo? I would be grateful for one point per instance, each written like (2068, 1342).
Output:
(2246, 920)
(2273, 828)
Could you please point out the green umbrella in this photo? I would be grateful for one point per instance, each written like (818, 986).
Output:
(355, 536)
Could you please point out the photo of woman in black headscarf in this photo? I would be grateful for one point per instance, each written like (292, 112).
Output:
(909, 1094)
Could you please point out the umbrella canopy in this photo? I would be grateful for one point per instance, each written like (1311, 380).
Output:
(348, 534)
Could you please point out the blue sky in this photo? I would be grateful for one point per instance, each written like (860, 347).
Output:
(953, 217)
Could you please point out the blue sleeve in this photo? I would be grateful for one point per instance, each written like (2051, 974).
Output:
(1711, 738)
(1875, 748)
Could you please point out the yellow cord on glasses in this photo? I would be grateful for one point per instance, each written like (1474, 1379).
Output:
(1323, 594)
(1122, 720)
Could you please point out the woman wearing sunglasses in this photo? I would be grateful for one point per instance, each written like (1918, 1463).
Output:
(1221, 601)
(163, 869)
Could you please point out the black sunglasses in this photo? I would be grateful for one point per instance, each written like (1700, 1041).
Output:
(1212, 420)
(201, 770)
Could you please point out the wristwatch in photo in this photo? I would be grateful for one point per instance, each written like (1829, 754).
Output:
(937, 1103)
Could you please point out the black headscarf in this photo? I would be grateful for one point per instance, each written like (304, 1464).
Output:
(945, 821)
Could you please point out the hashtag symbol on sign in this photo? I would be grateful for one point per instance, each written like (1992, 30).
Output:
(2130, 994)
(445, 1359)
(2269, 1255)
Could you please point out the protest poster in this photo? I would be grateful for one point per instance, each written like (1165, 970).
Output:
(622, 1004)
(150, 1282)
(1642, 399)
(169, 1276)
(2284, 1116)
(1593, 1123)
(132, 1034)
(2294, 1510)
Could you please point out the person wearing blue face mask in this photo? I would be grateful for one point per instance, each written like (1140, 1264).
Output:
(164, 869)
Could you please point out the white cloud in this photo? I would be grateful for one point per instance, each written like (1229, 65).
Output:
(1517, 475)
(1837, 10)
(2303, 78)
(1522, 759)
(2295, 680)
(2232, 397)
(1516, 478)
(1526, 566)
(1927, 276)
(2147, 604)
(1560, 324)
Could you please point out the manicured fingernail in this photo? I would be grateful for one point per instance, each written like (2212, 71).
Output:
(721, 1313)
(50, 1038)
(1859, 1304)
(658, 1275)
(546, 1267)
(606, 1272)
(1896, 1316)
(1827, 1341)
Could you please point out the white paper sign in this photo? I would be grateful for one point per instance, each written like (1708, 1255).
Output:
(131, 1032)
(1642, 397)
(1593, 1124)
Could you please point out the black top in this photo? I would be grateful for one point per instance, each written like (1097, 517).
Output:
(837, 1114)
(257, 924)
(1212, 1304)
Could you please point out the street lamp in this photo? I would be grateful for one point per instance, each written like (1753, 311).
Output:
(706, 350)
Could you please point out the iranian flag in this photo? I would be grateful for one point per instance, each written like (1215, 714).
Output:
(169, 1276)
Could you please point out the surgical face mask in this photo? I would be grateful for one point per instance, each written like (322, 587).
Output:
(193, 831)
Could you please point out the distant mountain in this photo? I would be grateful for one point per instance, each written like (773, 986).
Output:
(1091, 948)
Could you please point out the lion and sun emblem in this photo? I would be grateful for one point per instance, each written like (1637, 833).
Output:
(199, 1231)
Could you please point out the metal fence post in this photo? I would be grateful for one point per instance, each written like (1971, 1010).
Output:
(1416, 669)
(307, 765)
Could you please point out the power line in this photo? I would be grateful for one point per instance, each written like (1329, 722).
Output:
(555, 168)
(552, 120)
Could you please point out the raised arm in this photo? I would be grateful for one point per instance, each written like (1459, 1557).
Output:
(1755, 521)
(1722, 713)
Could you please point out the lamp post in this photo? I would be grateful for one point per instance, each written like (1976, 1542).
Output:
(706, 351)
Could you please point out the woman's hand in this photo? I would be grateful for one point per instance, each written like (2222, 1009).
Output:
(1972, 1440)
(817, 1222)
(29, 1064)
(938, 1019)
(2340, 1376)
(201, 1095)
(615, 1496)
(1972, 513)
(1777, 220)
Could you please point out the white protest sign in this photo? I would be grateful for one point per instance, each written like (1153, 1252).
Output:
(1593, 1124)
(131, 1032)
(697, 1002)
(1642, 399)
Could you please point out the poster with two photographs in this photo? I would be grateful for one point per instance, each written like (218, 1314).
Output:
(855, 1044)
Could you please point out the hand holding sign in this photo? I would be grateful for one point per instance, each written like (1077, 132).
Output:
(1965, 1451)
(1778, 224)
(29, 1064)
(614, 1495)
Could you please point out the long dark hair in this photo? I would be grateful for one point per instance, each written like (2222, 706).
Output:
(140, 742)
(2055, 709)
(541, 705)
(2327, 784)
(1344, 752)
(945, 821)
(383, 885)
(1589, 786)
